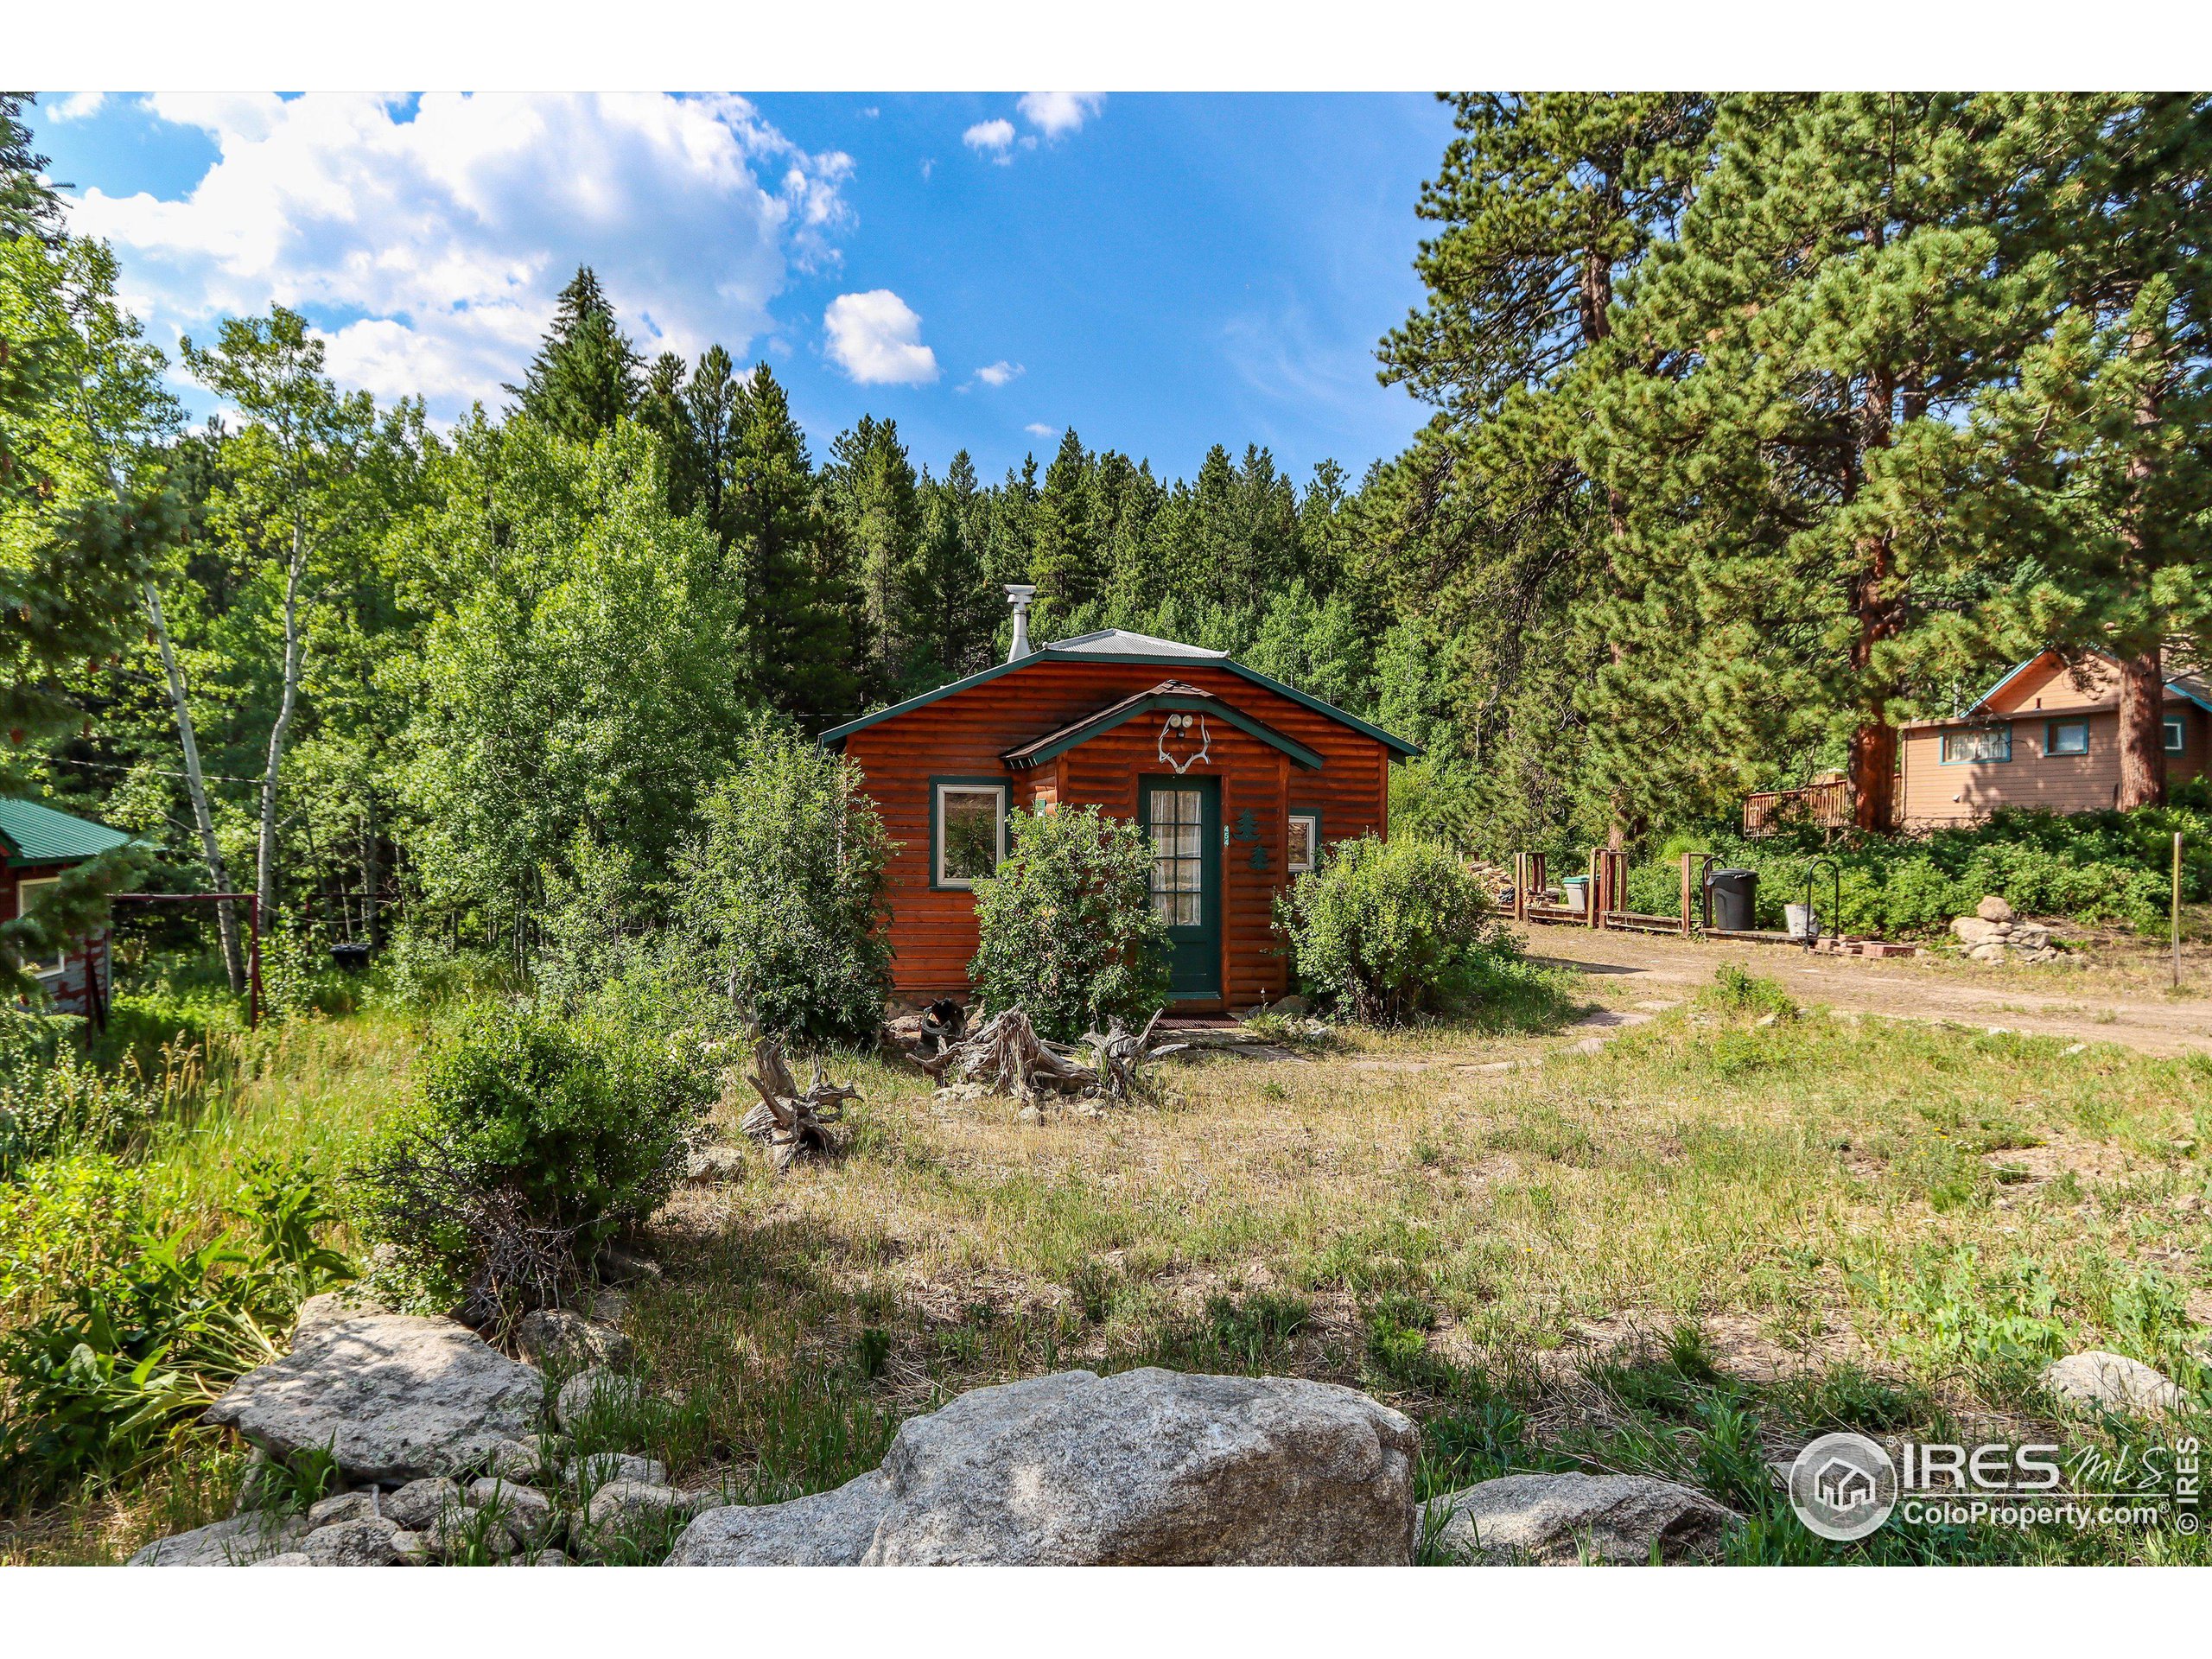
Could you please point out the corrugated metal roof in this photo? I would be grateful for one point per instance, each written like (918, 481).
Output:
(33, 834)
(1123, 642)
(1121, 645)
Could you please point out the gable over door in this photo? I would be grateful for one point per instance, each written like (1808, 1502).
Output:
(1182, 817)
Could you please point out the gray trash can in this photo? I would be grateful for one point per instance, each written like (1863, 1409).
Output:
(1735, 898)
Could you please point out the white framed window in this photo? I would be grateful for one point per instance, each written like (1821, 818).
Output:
(28, 893)
(2177, 734)
(1978, 743)
(2067, 737)
(1303, 843)
(966, 830)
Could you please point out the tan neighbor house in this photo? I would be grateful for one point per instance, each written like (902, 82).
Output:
(2045, 735)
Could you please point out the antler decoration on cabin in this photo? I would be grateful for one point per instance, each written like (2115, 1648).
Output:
(1174, 723)
(788, 1122)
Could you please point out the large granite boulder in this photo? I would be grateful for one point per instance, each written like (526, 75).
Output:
(1551, 1520)
(1151, 1467)
(2097, 1381)
(242, 1541)
(831, 1528)
(395, 1397)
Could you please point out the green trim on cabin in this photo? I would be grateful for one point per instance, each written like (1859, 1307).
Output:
(33, 834)
(1144, 703)
(838, 734)
(1001, 782)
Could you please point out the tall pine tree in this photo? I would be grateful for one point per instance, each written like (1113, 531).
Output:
(587, 375)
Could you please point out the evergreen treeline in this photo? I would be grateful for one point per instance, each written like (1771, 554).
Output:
(1761, 423)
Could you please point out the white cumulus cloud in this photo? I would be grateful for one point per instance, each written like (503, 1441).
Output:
(78, 106)
(1055, 113)
(998, 373)
(992, 138)
(1041, 430)
(876, 338)
(431, 241)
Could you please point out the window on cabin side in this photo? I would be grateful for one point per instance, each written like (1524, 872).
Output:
(971, 832)
(2177, 734)
(1305, 842)
(2068, 737)
(29, 893)
(1978, 743)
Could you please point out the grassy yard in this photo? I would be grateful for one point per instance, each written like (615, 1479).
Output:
(1732, 1227)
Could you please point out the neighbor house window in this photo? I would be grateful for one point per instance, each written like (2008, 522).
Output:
(967, 827)
(1978, 743)
(2067, 737)
(29, 893)
(2177, 734)
(1304, 841)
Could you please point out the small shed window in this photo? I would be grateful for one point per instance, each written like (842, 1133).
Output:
(1978, 743)
(31, 893)
(968, 822)
(2067, 737)
(2177, 734)
(1304, 841)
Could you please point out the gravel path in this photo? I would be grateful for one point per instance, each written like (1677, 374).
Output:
(2127, 1003)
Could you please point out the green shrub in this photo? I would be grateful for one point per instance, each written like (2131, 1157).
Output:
(54, 1101)
(149, 1327)
(2087, 867)
(1068, 932)
(533, 1139)
(1388, 930)
(781, 901)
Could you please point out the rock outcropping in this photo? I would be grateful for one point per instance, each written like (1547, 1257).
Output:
(1551, 1520)
(394, 1396)
(1148, 1467)
(2097, 1381)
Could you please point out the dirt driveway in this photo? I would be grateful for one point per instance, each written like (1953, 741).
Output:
(2103, 1000)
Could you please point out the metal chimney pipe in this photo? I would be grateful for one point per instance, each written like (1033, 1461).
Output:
(1018, 594)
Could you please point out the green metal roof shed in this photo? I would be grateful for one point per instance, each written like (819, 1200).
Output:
(33, 834)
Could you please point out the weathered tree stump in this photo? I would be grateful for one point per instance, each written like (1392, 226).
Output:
(789, 1120)
(1005, 1056)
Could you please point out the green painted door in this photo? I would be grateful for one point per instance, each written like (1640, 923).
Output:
(1183, 816)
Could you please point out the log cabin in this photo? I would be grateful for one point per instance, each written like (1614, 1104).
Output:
(2045, 735)
(37, 843)
(1239, 780)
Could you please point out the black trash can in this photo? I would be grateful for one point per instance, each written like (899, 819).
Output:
(1735, 895)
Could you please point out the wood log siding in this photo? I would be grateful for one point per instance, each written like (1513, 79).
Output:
(933, 932)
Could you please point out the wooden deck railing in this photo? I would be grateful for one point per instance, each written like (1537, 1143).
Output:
(1826, 805)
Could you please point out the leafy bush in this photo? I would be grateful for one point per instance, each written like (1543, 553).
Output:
(533, 1138)
(1068, 933)
(53, 1101)
(1388, 930)
(2088, 867)
(149, 1326)
(781, 901)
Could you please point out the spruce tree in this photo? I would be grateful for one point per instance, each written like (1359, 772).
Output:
(798, 600)
(587, 375)
(871, 486)
(1064, 562)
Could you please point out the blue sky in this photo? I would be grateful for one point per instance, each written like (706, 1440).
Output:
(1160, 271)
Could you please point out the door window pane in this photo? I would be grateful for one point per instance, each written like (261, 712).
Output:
(1303, 834)
(1177, 823)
